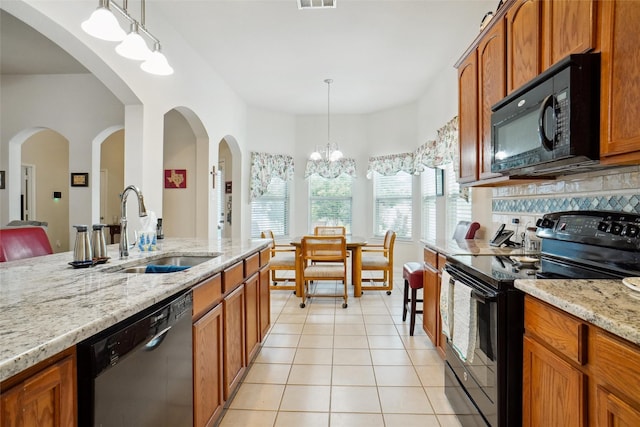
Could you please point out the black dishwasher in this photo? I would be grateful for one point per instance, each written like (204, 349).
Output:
(139, 372)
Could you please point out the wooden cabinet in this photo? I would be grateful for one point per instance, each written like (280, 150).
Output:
(252, 315)
(43, 396)
(265, 302)
(208, 347)
(430, 315)
(575, 373)
(620, 82)
(207, 367)
(523, 42)
(553, 390)
(491, 89)
(568, 27)
(234, 340)
(468, 119)
(523, 39)
(431, 322)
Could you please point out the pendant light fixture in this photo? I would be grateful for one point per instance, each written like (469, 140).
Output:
(331, 151)
(133, 46)
(104, 25)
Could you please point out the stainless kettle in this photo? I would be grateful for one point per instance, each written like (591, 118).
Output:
(98, 242)
(82, 251)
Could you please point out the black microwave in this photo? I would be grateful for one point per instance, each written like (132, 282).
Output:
(550, 126)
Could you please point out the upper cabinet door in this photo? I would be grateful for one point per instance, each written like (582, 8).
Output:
(523, 43)
(570, 29)
(620, 81)
(491, 89)
(468, 118)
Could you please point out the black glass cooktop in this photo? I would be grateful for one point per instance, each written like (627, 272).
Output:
(497, 271)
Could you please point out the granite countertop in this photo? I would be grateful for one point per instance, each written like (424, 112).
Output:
(605, 303)
(46, 306)
(468, 247)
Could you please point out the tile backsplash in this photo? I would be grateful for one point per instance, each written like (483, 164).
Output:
(611, 189)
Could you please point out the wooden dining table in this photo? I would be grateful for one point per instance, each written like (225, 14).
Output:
(354, 245)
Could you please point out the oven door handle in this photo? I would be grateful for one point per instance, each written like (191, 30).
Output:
(482, 297)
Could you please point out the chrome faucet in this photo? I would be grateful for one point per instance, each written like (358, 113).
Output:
(142, 211)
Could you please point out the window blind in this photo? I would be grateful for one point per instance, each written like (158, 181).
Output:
(330, 201)
(271, 210)
(392, 204)
(458, 209)
(429, 217)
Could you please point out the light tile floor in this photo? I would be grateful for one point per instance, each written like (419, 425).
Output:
(323, 365)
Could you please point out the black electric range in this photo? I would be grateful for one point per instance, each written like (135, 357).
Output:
(575, 245)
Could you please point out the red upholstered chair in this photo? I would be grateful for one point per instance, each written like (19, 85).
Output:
(23, 242)
(412, 272)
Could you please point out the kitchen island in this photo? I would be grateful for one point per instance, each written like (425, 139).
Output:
(46, 306)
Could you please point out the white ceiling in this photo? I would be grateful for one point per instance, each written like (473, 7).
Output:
(380, 53)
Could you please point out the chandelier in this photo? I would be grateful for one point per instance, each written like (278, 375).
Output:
(331, 151)
(104, 25)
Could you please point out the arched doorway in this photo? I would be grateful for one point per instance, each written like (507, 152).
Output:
(44, 184)
(187, 181)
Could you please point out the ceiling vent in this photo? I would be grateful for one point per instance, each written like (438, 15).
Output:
(316, 4)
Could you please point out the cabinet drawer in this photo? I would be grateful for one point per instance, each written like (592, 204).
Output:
(251, 264)
(431, 257)
(265, 256)
(617, 364)
(562, 332)
(206, 295)
(232, 277)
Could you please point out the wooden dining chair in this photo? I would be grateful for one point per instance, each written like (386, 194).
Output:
(379, 258)
(283, 258)
(323, 258)
(324, 230)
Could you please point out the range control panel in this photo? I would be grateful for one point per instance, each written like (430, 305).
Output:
(602, 228)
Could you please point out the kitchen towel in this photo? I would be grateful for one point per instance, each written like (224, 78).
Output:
(464, 321)
(446, 304)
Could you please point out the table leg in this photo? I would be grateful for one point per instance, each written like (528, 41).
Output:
(356, 271)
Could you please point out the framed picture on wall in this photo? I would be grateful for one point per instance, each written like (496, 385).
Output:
(79, 179)
(175, 178)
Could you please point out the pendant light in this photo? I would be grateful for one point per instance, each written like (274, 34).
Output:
(331, 151)
(133, 46)
(102, 24)
(157, 63)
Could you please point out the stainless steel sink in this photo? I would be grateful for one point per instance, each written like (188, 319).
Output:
(176, 260)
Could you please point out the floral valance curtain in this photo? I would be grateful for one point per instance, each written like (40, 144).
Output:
(329, 169)
(264, 167)
(441, 151)
(391, 164)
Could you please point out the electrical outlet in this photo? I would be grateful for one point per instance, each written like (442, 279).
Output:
(58, 243)
(515, 220)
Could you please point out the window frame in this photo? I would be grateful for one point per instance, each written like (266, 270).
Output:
(379, 232)
(311, 198)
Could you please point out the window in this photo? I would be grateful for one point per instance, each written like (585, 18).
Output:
(330, 201)
(458, 209)
(429, 221)
(392, 204)
(271, 210)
